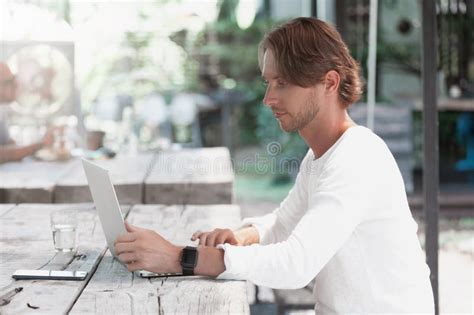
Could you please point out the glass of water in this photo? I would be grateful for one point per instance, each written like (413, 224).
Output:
(63, 226)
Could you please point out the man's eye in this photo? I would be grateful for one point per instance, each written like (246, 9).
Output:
(281, 83)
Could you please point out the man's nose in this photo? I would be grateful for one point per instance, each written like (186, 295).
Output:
(269, 98)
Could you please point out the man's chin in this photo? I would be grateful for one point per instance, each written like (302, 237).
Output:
(287, 128)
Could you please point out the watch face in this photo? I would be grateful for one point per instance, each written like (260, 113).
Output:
(189, 257)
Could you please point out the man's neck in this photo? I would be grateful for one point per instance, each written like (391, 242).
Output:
(322, 133)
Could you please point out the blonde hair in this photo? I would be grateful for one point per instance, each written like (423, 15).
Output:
(305, 49)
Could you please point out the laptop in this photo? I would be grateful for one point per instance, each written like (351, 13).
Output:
(110, 215)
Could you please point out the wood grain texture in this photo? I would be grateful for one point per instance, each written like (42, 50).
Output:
(113, 289)
(5, 207)
(30, 181)
(26, 243)
(127, 173)
(191, 176)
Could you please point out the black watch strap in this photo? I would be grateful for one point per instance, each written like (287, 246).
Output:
(189, 258)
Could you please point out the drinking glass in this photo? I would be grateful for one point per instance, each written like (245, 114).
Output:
(63, 226)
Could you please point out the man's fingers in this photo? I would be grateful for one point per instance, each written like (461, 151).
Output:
(131, 228)
(210, 241)
(202, 238)
(125, 238)
(212, 238)
(221, 239)
(196, 235)
(233, 241)
(127, 258)
(134, 266)
(124, 247)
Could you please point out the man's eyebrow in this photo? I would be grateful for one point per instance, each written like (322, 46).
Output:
(274, 78)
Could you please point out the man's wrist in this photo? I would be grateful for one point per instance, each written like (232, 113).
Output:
(210, 262)
(178, 251)
(189, 260)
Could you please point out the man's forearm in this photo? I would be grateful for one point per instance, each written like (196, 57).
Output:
(210, 261)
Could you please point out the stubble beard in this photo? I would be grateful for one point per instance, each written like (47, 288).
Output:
(302, 118)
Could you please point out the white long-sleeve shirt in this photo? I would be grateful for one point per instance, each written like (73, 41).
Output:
(346, 223)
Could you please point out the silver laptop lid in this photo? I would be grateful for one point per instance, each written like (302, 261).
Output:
(106, 202)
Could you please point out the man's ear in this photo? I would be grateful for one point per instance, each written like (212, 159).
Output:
(331, 82)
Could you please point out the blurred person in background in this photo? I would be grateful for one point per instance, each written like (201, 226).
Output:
(9, 150)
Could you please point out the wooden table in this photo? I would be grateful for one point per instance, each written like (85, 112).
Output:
(26, 243)
(30, 181)
(127, 173)
(191, 176)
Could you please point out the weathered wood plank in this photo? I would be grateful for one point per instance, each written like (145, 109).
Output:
(26, 243)
(191, 176)
(30, 181)
(113, 289)
(4, 208)
(127, 173)
(203, 296)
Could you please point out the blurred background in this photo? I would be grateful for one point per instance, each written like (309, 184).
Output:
(132, 76)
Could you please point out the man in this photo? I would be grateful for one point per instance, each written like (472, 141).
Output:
(9, 151)
(345, 223)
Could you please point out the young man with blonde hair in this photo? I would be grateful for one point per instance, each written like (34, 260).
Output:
(346, 223)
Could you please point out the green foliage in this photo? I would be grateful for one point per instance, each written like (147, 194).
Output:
(236, 52)
(227, 11)
(260, 188)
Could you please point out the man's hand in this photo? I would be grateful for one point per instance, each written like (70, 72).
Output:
(147, 250)
(216, 237)
(247, 235)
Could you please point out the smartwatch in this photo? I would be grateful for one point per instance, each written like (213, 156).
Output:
(189, 258)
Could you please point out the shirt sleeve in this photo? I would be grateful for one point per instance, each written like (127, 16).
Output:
(277, 226)
(337, 207)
